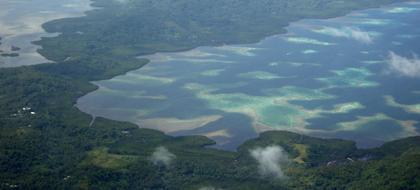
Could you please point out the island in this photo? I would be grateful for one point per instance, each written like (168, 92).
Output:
(60, 147)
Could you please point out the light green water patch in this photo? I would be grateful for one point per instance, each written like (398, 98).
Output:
(407, 126)
(261, 75)
(198, 58)
(279, 63)
(280, 115)
(158, 58)
(201, 61)
(348, 32)
(359, 14)
(212, 73)
(414, 108)
(302, 40)
(294, 64)
(377, 22)
(274, 64)
(361, 121)
(134, 78)
(309, 51)
(375, 34)
(298, 64)
(291, 93)
(273, 109)
(373, 62)
(212, 87)
(350, 77)
(365, 21)
(196, 53)
(346, 107)
(402, 10)
(244, 51)
(416, 92)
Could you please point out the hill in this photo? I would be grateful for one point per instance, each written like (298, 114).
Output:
(46, 143)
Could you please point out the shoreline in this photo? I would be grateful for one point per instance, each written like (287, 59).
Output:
(48, 143)
(286, 32)
(142, 62)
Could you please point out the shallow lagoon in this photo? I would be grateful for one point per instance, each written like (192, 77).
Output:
(327, 78)
(21, 24)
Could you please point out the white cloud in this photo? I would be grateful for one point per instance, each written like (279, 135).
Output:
(270, 160)
(162, 156)
(404, 66)
(348, 32)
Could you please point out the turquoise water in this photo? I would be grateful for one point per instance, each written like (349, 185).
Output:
(355, 77)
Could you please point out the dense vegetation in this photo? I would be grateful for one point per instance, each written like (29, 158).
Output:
(46, 143)
(138, 27)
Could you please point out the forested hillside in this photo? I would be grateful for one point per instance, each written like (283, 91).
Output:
(47, 143)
